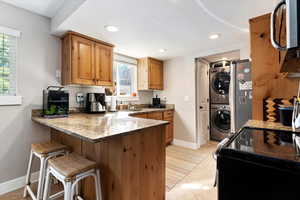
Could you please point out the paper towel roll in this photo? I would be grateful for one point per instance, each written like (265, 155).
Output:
(113, 103)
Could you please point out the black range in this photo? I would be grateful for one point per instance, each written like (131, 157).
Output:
(259, 164)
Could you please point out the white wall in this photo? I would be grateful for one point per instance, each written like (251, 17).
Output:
(38, 58)
(180, 82)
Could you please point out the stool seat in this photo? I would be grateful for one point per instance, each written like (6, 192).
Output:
(44, 152)
(71, 165)
(47, 147)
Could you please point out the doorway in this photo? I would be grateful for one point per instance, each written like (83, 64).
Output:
(211, 88)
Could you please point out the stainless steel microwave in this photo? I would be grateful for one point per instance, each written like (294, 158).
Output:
(292, 10)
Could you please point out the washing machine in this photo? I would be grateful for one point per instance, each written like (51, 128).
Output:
(219, 122)
(219, 85)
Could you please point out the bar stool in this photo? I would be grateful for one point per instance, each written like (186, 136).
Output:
(70, 169)
(43, 151)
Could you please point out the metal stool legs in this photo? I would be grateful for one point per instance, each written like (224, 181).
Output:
(27, 182)
(70, 186)
(43, 165)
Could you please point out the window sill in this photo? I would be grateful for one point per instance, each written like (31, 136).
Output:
(10, 100)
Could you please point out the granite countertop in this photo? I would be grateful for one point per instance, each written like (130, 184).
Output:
(268, 125)
(96, 127)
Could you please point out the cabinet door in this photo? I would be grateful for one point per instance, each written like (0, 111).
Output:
(169, 133)
(103, 64)
(168, 115)
(155, 74)
(82, 61)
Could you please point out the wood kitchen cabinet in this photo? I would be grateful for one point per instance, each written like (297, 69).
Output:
(103, 64)
(86, 61)
(267, 80)
(155, 115)
(161, 115)
(169, 116)
(142, 115)
(150, 74)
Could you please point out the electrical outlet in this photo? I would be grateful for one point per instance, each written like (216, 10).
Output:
(79, 98)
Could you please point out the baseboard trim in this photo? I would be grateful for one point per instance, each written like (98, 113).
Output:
(185, 144)
(17, 183)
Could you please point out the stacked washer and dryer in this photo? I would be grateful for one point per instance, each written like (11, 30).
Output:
(230, 97)
(219, 100)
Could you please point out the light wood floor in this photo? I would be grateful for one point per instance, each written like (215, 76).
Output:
(190, 175)
(198, 183)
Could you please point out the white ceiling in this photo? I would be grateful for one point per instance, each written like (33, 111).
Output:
(47, 8)
(180, 26)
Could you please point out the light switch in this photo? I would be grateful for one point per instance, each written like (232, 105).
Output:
(186, 98)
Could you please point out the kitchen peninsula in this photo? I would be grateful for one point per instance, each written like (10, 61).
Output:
(129, 151)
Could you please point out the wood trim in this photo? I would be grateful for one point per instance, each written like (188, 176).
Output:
(87, 37)
(66, 69)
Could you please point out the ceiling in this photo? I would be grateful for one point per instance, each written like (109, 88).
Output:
(181, 27)
(47, 8)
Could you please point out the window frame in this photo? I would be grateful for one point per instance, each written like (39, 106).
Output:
(118, 58)
(10, 100)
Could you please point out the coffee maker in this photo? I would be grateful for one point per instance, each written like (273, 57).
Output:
(95, 103)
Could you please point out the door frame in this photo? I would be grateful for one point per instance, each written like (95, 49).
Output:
(197, 78)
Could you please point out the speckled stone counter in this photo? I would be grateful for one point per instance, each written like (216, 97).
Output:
(268, 125)
(96, 127)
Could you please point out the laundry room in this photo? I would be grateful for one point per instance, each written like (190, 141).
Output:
(223, 86)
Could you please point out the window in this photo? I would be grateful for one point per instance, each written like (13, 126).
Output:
(8, 63)
(125, 76)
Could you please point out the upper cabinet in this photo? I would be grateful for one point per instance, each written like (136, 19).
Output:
(86, 61)
(103, 64)
(150, 74)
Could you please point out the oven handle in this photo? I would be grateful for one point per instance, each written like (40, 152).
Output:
(219, 147)
(215, 156)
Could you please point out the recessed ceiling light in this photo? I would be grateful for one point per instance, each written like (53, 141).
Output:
(214, 36)
(162, 50)
(111, 28)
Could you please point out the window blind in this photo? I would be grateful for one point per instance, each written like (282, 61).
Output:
(125, 59)
(8, 61)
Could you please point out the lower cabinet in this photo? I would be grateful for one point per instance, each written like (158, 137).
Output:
(144, 115)
(155, 115)
(169, 133)
(161, 115)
